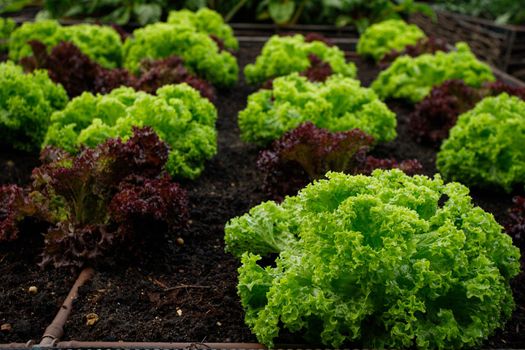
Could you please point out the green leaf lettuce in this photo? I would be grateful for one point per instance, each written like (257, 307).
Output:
(485, 147)
(339, 104)
(282, 55)
(412, 78)
(178, 114)
(387, 260)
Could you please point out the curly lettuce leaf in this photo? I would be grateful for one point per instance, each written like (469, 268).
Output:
(26, 104)
(111, 200)
(485, 147)
(206, 21)
(178, 114)
(282, 55)
(199, 52)
(338, 104)
(386, 260)
(381, 38)
(412, 78)
(100, 43)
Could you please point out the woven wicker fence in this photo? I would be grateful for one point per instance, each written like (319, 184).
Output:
(503, 46)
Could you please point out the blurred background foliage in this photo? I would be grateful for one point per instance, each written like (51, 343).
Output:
(358, 13)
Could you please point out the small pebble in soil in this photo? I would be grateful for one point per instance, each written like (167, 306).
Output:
(32, 290)
(180, 241)
(91, 319)
(219, 324)
(179, 312)
(6, 327)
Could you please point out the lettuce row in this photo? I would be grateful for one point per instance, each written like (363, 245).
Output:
(387, 260)
(200, 53)
(178, 114)
(485, 147)
(339, 104)
(381, 38)
(287, 54)
(26, 104)
(412, 78)
(77, 73)
(100, 43)
(206, 21)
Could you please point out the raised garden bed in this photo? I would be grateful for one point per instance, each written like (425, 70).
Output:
(187, 293)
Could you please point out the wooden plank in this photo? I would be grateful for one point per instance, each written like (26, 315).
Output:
(301, 27)
(507, 78)
(486, 22)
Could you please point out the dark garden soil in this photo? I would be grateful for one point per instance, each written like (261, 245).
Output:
(28, 314)
(188, 292)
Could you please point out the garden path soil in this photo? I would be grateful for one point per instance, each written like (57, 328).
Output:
(188, 292)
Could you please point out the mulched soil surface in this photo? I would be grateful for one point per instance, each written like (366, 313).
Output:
(188, 292)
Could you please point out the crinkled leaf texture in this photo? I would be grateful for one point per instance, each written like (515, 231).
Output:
(170, 70)
(137, 217)
(26, 104)
(206, 21)
(108, 200)
(14, 207)
(178, 114)
(282, 55)
(388, 260)
(200, 53)
(338, 104)
(77, 73)
(437, 113)
(74, 70)
(318, 71)
(381, 38)
(100, 43)
(424, 45)
(307, 153)
(485, 147)
(412, 78)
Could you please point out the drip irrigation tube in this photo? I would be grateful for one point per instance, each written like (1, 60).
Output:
(53, 333)
(148, 345)
(55, 330)
(27, 345)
